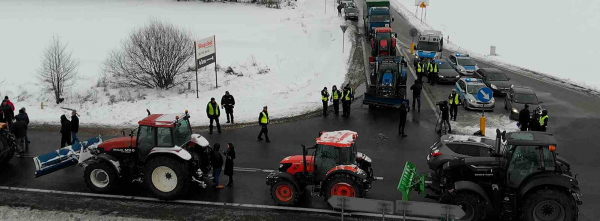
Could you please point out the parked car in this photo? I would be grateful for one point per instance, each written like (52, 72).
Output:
(446, 74)
(467, 89)
(464, 64)
(516, 99)
(495, 79)
(451, 147)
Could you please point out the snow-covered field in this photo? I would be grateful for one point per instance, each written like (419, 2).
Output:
(551, 37)
(299, 45)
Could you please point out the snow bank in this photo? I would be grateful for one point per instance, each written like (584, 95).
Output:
(497, 122)
(25, 213)
(299, 48)
(532, 37)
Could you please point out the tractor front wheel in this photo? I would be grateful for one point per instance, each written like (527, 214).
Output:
(342, 185)
(167, 177)
(549, 205)
(101, 177)
(284, 192)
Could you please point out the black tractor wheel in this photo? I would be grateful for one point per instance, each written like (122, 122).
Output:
(167, 177)
(549, 205)
(6, 151)
(471, 203)
(342, 185)
(101, 177)
(284, 192)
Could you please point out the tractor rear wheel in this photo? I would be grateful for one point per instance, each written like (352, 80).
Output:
(471, 204)
(342, 185)
(6, 151)
(284, 192)
(549, 205)
(101, 177)
(167, 177)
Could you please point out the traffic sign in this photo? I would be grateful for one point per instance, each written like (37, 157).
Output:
(431, 210)
(423, 5)
(413, 32)
(361, 204)
(485, 94)
(344, 27)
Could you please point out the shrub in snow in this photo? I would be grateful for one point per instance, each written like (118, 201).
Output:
(23, 94)
(58, 70)
(155, 56)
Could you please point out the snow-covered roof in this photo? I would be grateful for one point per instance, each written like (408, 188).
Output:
(160, 120)
(342, 138)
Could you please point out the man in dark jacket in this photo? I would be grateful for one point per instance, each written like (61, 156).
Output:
(416, 88)
(433, 72)
(74, 126)
(228, 102)
(263, 121)
(230, 156)
(65, 131)
(213, 114)
(445, 116)
(336, 95)
(8, 110)
(325, 99)
(216, 159)
(403, 113)
(339, 8)
(524, 118)
(22, 116)
(19, 129)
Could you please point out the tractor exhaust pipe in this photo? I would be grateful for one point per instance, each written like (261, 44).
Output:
(304, 159)
(498, 142)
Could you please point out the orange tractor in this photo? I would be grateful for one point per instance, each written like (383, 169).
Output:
(333, 168)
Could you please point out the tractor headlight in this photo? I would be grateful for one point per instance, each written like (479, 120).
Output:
(280, 165)
(493, 87)
(514, 110)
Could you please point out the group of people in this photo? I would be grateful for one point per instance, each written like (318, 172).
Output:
(228, 103)
(69, 129)
(16, 124)
(427, 68)
(346, 96)
(532, 121)
(216, 160)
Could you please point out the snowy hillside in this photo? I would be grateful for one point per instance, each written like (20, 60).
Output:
(285, 56)
(538, 35)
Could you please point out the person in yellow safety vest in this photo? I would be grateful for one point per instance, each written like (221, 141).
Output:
(213, 113)
(336, 95)
(454, 102)
(420, 70)
(325, 99)
(263, 121)
(544, 120)
(433, 72)
(346, 101)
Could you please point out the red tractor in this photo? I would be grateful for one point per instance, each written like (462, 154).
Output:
(334, 168)
(163, 154)
(383, 42)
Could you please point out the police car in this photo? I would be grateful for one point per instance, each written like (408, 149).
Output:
(467, 89)
(464, 64)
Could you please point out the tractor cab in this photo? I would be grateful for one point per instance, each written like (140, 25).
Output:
(333, 166)
(156, 132)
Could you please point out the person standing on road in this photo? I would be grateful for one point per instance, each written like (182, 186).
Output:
(324, 99)
(336, 95)
(213, 113)
(19, 129)
(346, 101)
(433, 72)
(263, 121)
(339, 8)
(544, 120)
(65, 131)
(228, 102)
(74, 126)
(445, 117)
(216, 159)
(403, 113)
(22, 116)
(230, 156)
(454, 102)
(8, 110)
(420, 70)
(416, 88)
(524, 118)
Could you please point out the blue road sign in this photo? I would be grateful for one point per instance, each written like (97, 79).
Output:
(485, 94)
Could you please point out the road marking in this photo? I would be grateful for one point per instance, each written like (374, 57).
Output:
(410, 68)
(257, 170)
(198, 202)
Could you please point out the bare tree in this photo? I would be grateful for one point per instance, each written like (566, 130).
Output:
(58, 69)
(154, 56)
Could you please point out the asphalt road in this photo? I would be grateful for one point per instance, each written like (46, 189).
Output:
(573, 119)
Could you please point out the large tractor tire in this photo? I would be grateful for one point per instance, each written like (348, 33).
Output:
(6, 150)
(167, 177)
(284, 192)
(549, 205)
(471, 203)
(342, 185)
(101, 177)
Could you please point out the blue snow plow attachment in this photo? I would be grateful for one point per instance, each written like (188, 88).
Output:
(387, 84)
(63, 157)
